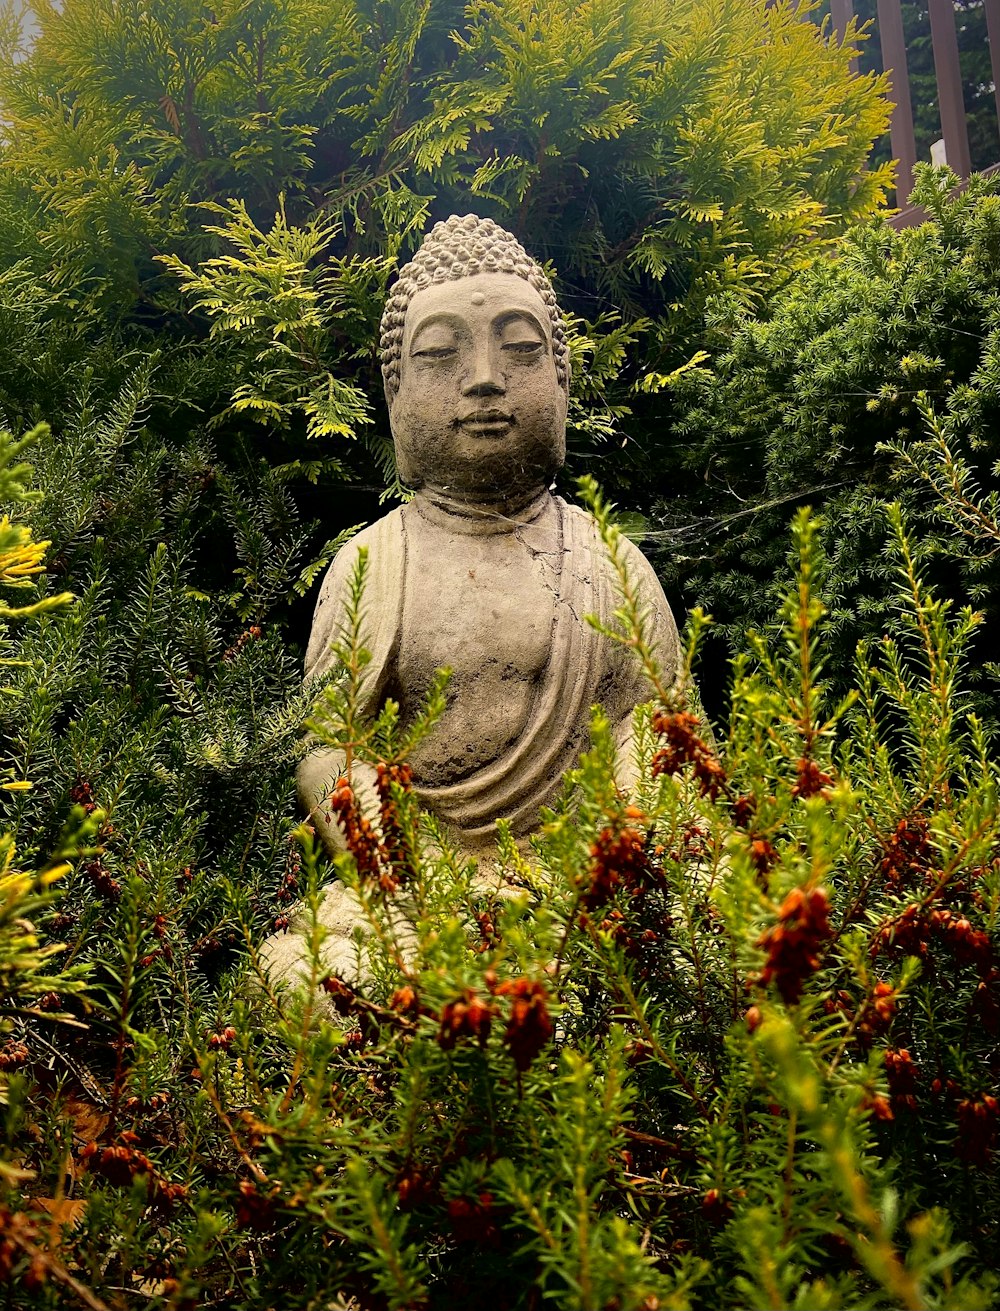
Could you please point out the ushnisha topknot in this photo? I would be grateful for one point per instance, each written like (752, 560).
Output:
(461, 247)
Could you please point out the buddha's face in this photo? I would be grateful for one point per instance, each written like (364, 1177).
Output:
(480, 409)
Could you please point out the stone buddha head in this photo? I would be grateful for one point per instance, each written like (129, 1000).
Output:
(475, 365)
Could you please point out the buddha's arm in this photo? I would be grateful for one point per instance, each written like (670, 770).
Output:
(634, 687)
(316, 778)
(319, 771)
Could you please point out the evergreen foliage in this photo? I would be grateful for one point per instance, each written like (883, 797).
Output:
(732, 1045)
(264, 165)
(25, 964)
(873, 374)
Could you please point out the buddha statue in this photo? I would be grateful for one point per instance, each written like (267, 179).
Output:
(484, 570)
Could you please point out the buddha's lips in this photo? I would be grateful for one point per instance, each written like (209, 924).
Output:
(486, 423)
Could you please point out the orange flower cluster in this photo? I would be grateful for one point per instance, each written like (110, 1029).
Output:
(762, 855)
(879, 1107)
(528, 1028)
(970, 946)
(530, 1025)
(878, 1011)
(618, 860)
(685, 747)
(361, 838)
(715, 1207)
(793, 944)
(470, 1016)
(386, 863)
(342, 999)
(472, 1219)
(742, 811)
(405, 1001)
(222, 1040)
(104, 885)
(137, 1106)
(121, 1162)
(810, 780)
(489, 938)
(906, 854)
(255, 1210)
(396, 848)
(251, 634)
(977, 1129)
(902, 1075)
(907, 932)
(82, 794)
(12, 1054)
(986, 1002)
(165, 949)
(414, 1188)
(911, 931)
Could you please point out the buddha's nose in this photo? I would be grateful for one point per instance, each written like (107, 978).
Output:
(484, 376)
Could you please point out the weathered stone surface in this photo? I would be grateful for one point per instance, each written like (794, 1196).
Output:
(485, 570)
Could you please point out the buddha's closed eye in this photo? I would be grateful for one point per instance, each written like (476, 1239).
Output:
(434, 352)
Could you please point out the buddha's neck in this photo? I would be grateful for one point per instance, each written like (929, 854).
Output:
(480, 514)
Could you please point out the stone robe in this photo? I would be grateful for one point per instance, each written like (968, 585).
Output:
(583, 667)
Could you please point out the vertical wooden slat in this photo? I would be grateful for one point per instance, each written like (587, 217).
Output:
(890, 32)
(948, 73)
(992, 8)
(842, 11)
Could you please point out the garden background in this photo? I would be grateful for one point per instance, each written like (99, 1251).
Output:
(733, 1045)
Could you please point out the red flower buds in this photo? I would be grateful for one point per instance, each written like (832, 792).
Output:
(977, 1129)
(902, 1076)
(530, 1026)
(906, 854)
(793, 944)
(472, 1219)
(810, 780)
(685, 747)
(467, 1017)
(341, 997)
(618, 860)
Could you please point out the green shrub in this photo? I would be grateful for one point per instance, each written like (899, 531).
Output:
(872, 375)
(729, 1043)
(655, 153)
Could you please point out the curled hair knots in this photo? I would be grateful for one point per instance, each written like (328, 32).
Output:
(461, 247)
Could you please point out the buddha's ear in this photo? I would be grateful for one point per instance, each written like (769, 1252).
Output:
(564, 388)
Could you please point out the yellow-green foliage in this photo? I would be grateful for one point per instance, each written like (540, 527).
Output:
(24, 963)
(21, 557)
(655, 150)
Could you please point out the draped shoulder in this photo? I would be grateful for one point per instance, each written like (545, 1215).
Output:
(382, 605)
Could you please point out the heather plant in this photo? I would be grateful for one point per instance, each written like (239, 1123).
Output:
(728, 1042)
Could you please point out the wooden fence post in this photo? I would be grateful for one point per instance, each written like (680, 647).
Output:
(842, 11)
(992, 8)
(948, 73)
(890, 32)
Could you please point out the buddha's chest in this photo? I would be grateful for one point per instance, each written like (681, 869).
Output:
(483, 605)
